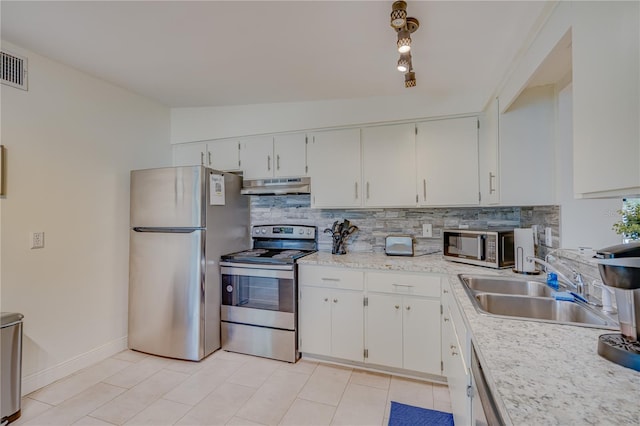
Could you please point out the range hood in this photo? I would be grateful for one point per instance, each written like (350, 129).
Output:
(278, 186)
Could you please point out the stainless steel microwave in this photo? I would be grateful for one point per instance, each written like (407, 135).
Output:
(482, 247)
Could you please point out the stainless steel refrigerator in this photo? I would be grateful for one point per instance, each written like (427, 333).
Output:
(182, 220)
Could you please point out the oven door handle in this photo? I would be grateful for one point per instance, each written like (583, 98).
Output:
(257, 272)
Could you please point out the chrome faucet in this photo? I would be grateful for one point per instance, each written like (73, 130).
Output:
(577, 283)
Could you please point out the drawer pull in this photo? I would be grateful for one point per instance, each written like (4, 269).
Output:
(397, 306)
(326, 299)
(330, 279)
(454, 353)
(452, 347)
(335, 300)
(408, 308)
(402, 285)
(446, 319)
(445, 291)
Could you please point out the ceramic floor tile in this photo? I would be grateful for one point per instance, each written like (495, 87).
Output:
(182, 366)
(136, 399)
(236, 421)
(326, 385)
(196, 387)
(272, 400)
(131, 356)
(308, 413)
(361, 405)
(136, 373)
(219, 406)
(222, 367)
(91, 421)
(410, 392)
(302, 366)
(376, 380)
(232, 356)
(72, 385)
(29, 409)
(254, 372)
(161, 412)
(78, 406)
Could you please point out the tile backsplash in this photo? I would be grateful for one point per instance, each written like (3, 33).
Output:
(375, 224)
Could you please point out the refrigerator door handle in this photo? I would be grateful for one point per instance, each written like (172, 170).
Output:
(165, 230)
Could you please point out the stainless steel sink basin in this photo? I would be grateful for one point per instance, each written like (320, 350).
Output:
(527, 299)
(540, 308)
(504, 285)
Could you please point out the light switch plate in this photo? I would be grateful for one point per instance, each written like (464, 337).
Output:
(427, 230)
(37, 240)
(548, 237)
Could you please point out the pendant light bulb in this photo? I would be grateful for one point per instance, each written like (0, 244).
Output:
(404, 63)
(404, 41)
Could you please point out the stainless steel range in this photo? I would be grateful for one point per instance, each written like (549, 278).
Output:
(259, 312)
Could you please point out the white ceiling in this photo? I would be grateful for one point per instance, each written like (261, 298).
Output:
(215, 53)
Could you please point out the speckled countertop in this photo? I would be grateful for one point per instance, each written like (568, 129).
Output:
(539, 373)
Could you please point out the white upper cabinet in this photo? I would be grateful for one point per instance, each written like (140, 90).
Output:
(219, 155)
(224, 154)
(447, 162)
(334, 168)
(488, 143)
(265, 157)
(389, 166)
(256, 157)
(606, 93)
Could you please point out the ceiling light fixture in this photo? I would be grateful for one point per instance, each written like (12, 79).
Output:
(404, 26)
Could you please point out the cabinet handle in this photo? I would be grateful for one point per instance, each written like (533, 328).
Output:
(209, 155)
(330, 279)
(326, 299)
(202, 158)
(446, 319)
(424, 189)
(454, 353)
(445, 291)
(367, 190)
(397, 306)
(278, 162)
(491, 188)
(268, 162)
(356, 190)
(452, 347)
(408, 308)
(335, 300)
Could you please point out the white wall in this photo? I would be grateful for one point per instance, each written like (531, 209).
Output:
(205, 123)
(71, 141)
(583, 222)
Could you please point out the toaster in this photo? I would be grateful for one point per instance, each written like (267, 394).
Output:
(399, 245)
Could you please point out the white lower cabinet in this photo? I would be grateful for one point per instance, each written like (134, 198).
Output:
(456, 355)
(398, 328)
(331, 306)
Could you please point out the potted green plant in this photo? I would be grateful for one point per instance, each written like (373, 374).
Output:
(629, 226)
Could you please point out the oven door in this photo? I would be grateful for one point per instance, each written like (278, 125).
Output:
(263, 296)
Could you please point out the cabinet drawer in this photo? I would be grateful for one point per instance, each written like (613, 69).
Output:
(411, 284)
(323, 276)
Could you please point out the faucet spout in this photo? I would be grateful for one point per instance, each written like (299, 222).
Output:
(578, 284)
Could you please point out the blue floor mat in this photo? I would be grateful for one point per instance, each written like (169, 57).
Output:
(406, 415)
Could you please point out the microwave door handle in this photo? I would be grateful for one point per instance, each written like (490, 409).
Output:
(502, 250)
(480, 247)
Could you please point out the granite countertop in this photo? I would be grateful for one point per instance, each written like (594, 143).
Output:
(540, 373)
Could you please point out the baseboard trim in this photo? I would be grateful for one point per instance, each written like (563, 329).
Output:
(47, 376)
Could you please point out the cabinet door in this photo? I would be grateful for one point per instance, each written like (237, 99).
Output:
(347, 325)
(389, 167)
(458, 378)
(488, 155)
(334, 168)
(315, 320)
(256, 157)
(290, 153)
(189, 154)
(224, 154)
(384, 330)
(447, 162)
(421, 330)
(606, 89)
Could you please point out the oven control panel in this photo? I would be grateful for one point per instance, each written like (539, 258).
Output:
(298, 232)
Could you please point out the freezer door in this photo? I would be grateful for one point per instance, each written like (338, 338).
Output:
(171, 197)
(166, 300)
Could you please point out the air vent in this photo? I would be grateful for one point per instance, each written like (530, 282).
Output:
(13, 71)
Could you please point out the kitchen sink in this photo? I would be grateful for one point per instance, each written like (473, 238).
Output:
(504, 285)
(527, 299)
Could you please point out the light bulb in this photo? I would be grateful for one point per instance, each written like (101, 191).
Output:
(404, 41)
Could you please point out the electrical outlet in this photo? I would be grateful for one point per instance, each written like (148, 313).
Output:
(37, 240)
(534, 228)
(548, 238)
(427, 230)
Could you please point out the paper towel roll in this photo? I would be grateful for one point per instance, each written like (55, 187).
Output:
(523, 248)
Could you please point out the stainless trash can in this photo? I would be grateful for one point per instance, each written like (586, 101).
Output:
(11, 359)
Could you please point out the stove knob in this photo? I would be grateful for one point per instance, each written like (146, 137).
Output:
(301, 231)
(256, 231)
(264, 230)
(308, 231)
